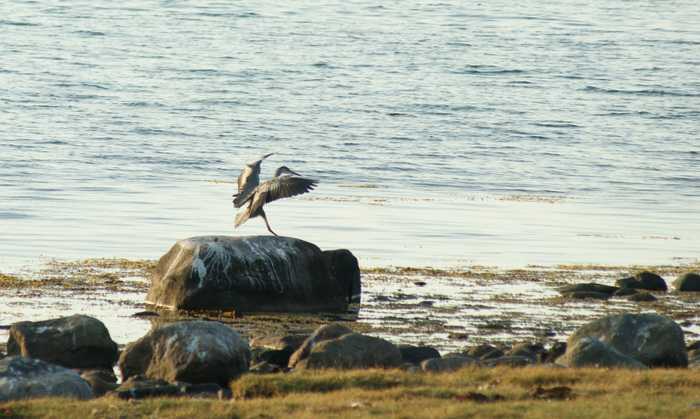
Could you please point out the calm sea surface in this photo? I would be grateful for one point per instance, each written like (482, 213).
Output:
(443, 133)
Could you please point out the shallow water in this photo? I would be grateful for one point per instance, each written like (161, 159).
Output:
(443, 133)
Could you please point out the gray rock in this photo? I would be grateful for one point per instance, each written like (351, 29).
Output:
(588, 287)
(591, 352)
(651, 281)
(352, 351)
(530, 350)
(25, 378)
(326, 332)
(644, 281)
(447, 364)
(276, 349)
(101, 381)
(279, 357)
(484, 351)
(687, 282)
(628, 283)
(189, 351)
(249, 274)
(623, 292)
(416, 354)
(345, 269)
(641, 297)
(649, 338)
(139, 387)
(77, 341)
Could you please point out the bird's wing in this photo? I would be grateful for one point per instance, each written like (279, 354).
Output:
(287, 186)
(248, 180)
(278, 188)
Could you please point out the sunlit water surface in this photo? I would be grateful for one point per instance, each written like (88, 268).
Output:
(442, 133)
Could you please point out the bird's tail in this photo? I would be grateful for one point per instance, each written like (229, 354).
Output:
(241, 218)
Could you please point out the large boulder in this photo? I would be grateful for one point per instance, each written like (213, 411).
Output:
(77, 341)
(189, 351)
(352, 351)
(24, 378)
(651, 339)
(257, 273)
(417, 354)
(591, 352)
(687, 282)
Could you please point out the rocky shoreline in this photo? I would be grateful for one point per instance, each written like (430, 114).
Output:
(631, 321)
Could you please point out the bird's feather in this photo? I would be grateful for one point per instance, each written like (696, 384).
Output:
(273, 189)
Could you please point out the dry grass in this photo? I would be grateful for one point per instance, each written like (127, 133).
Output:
(483, 393)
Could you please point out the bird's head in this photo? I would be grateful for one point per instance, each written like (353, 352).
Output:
(253, 163)
(285, 171)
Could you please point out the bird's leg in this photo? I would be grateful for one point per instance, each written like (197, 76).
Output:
(266, 223)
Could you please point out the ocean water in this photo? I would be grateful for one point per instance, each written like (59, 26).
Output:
(443, 133)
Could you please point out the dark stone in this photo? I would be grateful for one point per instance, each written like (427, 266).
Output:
(651, 339)
(628, 282)
(189, 351)
(622, 292)
(447, 364)
(326, 332)
(352, 351)
(591, 352)
(26, 378)
(484, 351)
(651, 281)
(530, 350)
(416, 354)
(687, 282)
(643, 281)
(343, 266)
(101, 381)
(641, 297)
(139, 387)
(693, 346)
(558, 349)
(276, 349)
(77, 341)
(588, 287)
(257, 273)
(279, 357)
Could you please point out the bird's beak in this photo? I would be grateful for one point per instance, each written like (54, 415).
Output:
(295, 173)
(267, 155)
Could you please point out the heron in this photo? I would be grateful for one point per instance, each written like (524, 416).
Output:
(284, 184)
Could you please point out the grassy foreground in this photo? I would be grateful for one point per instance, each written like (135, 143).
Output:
(478, 392)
